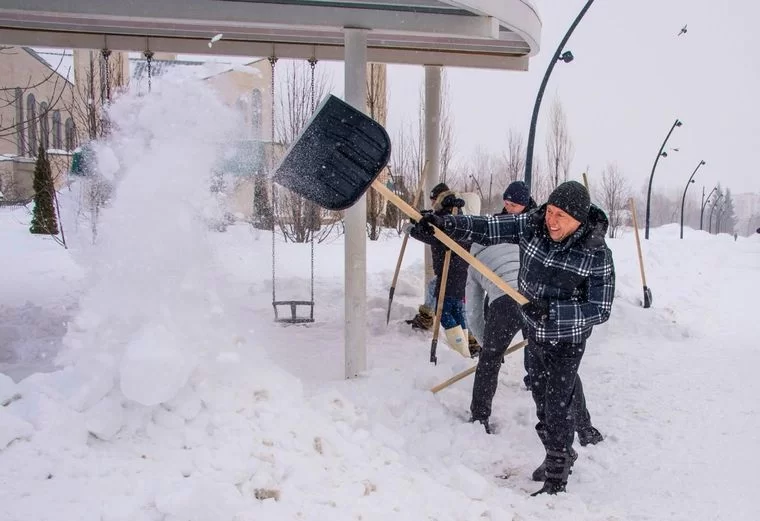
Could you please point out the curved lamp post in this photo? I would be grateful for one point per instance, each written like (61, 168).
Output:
(566, 57)
(660, 154)
(683, 199)
(704, 203)
(720, 196)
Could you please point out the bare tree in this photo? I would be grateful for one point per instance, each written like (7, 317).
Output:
(559, 147)
(448, 141)
(299, 219)
(377, 108)
(514, 157)
(613, 194)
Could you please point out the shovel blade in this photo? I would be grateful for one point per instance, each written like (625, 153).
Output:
(647, 297)
(336, 157)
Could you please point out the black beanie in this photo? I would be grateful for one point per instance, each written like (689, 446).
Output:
(438, 190)
(517, 192)
(572, 198)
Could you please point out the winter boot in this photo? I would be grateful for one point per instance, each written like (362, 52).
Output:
(540, 473)
(423, 319)
(474, 346)
(484, 423)
(457, 340)
(589, 436)
(558, 464)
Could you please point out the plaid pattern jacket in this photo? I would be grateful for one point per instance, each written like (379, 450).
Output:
(576, 276)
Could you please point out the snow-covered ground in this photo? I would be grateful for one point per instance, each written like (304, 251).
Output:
(176, 397)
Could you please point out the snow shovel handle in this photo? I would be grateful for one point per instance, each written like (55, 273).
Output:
(448, 241)
(416, 201)
(638, 243)
(467, 372)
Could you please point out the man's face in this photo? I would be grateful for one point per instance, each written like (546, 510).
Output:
(513, 208)
(559, 223)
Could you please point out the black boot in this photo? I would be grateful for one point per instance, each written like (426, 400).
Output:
(589, 436)
(540, 473)
(558, 464)
(423, 319)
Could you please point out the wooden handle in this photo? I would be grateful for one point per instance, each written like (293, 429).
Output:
(441, 295)
(585, 182)
(415, 202)
(638, 242)
(448, 241)
(467, 372)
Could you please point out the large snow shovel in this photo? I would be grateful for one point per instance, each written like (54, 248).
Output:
(338, 156)
(647, 291)
(415, 202)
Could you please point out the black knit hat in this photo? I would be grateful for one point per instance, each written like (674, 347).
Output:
(438, 190)
(572, 198)
(517, 192)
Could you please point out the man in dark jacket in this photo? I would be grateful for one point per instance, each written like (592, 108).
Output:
(568, 276)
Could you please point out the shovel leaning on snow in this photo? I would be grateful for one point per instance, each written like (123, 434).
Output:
(338, 156)
(647, 291)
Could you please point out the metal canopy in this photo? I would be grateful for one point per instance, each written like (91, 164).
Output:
(499, 34)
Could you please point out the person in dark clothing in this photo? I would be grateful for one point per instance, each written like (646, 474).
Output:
(568, 276)
(452, 314)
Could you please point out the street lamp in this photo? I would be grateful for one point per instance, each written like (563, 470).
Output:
(677, 123)
(704, 203)
(720, 196)
(683, 199)
(565, 57)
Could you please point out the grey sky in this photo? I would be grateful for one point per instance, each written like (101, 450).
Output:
(632, 76)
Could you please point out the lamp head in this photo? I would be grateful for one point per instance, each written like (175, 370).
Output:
(664, 154)
(679, 122)
(702, 162)
(567, 57)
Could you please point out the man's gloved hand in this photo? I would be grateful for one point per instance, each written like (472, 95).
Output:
(537, 310)
(452, 201)
(423, 226)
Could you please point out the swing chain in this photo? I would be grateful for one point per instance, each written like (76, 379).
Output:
(149, 58)
(106, 53)
(313, 64)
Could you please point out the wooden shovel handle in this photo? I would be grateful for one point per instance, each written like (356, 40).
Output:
(441, 295)
(638, 243)
(467, 372)
(416, 201)
(448, 241)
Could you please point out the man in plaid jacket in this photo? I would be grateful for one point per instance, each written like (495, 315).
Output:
(567, 274)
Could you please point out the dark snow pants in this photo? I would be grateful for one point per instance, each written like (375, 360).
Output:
(503, 321)
(557, 392)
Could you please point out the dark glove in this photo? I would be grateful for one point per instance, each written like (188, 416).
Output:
(423, 226)
(537, 310)
(452, 201)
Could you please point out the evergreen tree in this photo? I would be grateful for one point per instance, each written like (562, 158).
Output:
(262, 209)
(728, 215)
(43, 219)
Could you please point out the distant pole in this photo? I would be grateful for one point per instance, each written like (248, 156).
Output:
(677, 123)
(704, 203)
(683, 199)
(720, 196)
(566, 57)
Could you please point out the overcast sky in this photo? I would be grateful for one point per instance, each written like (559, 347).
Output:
(631, 78)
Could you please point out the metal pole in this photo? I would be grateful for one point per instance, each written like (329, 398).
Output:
(677, 123)
(432, 146)
(720, 196)
(683, 199)
(704, 203)
(542, 88)
(355, 41)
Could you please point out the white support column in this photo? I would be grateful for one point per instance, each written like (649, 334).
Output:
(355, 335)
(432, 144)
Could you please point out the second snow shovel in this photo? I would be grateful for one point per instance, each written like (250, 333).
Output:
(338, 156)
(415, 202)
(647, 291)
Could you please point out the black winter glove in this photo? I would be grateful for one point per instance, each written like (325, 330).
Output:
(537, 310)
(423, 226)
(452, 201)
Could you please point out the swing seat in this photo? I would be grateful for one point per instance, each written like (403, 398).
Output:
(294, 318)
